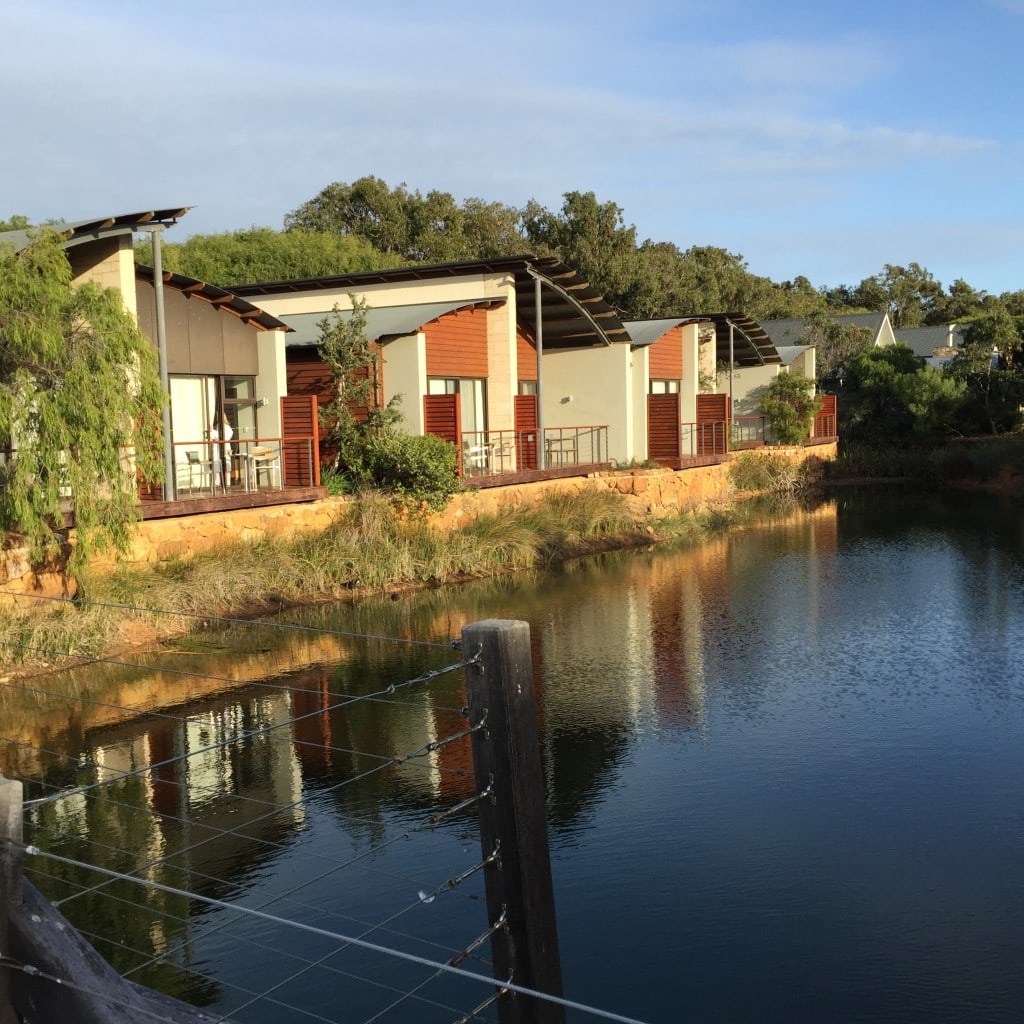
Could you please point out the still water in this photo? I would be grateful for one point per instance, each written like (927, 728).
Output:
(784, 778)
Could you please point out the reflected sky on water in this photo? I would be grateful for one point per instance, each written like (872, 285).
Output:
(784, 776)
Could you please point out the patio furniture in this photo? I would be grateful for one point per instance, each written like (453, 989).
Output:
(268, 461)
(203, 468)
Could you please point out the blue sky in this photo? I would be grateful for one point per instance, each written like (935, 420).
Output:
(812, 138)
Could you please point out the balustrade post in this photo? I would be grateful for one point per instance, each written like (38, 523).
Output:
(513, 821)
(11, 813)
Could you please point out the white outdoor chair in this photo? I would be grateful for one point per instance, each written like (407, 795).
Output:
(268, 461)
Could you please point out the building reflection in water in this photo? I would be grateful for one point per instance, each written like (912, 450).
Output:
(619, 644)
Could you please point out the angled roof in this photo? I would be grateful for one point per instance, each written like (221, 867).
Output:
(787, 353)
(750, 345)
(382, 322)
(647, 332)
(574, 314)
(793, 330)
(216, 297)
(78, 231)
(925, 340)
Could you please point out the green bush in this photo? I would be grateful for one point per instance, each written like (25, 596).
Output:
(790, 406)
(420, 469)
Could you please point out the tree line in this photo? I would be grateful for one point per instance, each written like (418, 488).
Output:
(368, 225)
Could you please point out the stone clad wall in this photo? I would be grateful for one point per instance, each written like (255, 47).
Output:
(647, 492)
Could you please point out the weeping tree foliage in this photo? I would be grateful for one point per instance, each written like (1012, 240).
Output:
(80, 405)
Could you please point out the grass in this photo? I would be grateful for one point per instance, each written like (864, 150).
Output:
(977, 460)
(757, 472)
(374, 548)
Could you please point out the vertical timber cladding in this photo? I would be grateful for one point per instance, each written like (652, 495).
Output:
(308, 375)
(712, 424)
(300, 420)
(663, 418)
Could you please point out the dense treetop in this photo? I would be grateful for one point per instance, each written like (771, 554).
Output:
(368, 225)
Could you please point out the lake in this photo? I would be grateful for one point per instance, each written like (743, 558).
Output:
(784, 775)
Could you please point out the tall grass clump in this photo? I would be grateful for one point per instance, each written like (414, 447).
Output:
(377, 545)
(751, 471)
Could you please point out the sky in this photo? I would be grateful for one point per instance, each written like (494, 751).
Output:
(815, 139)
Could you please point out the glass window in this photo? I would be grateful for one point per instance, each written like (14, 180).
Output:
(472, 399)
(527, 387)
(664, 387)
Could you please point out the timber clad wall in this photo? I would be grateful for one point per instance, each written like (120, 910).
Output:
(308, 374)
(666, 356)
(457, 344)
(441, 416)
(663, 429)
(526, 357)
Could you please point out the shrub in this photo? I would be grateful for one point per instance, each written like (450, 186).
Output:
(790, 406)
(422, 469)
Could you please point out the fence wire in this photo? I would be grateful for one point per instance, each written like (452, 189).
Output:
(301, 824)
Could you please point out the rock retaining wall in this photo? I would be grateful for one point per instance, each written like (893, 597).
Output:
(647, 491)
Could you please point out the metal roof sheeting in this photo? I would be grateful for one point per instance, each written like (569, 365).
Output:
(574, 314)
(216, 297)
(78, 231)
(382, 322)
(647, 332)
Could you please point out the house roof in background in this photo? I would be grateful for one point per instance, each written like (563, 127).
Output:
(216, 297)
(647, 332)
(793, 330)
(925, 340)
(79, 231)
(382, 321)
(573, 311)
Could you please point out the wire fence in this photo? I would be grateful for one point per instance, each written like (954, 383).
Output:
(301, 847)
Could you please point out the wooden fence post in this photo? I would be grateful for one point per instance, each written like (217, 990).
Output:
(506, 757)
(10, 884)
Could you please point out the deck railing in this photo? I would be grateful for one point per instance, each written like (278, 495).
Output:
(488, 452)
(494, 452)
(748, 432)
(575, 446)
(211, 467)
(697, 439)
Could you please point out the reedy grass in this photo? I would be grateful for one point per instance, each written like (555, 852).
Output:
(373, 548)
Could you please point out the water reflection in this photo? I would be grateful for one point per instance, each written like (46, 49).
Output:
(814, 722)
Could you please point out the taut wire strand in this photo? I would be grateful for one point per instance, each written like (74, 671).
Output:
(250, 734)
(337, 937)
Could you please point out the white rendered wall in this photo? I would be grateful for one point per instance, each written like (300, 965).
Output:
(405, 374)
(591, 387)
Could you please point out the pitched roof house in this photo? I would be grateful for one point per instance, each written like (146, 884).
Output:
(793, 330)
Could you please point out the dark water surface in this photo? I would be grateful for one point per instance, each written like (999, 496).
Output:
(784, 771)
